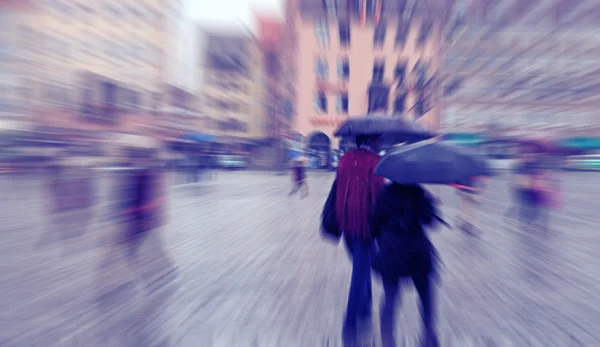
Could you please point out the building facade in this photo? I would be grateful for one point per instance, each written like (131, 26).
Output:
(349, 58)
(231, 87)
(94, 65)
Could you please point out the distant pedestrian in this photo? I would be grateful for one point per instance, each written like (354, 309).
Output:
(70, 184)
(470, 195)
(142, 202)
(299, 176)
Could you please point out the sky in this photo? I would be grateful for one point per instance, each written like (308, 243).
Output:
(231, 12)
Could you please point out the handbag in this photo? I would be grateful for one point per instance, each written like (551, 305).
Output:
(329, 224)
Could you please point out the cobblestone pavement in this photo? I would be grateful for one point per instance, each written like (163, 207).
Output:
(252, 270)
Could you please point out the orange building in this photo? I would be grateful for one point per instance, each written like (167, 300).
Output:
(346, 58)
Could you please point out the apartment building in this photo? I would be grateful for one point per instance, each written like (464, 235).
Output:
(231, 86)
(346, 58)
(95, 65)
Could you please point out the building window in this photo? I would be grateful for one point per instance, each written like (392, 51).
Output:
(344, 69)
(321, 102)
(399, 102)
(399, 73)
(331, 6)
(321, 69)
(426, 27)
(322, 30)
(402, 33)
(379, 38)
(342, 103)
(378, 70)
(345, 34)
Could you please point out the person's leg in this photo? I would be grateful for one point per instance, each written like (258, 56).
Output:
(424, 286)
(361, 278)
(304, 188)
(295, 188)
(391, 290)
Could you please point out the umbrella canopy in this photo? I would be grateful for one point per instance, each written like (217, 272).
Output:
(431, 162)
(397, 129)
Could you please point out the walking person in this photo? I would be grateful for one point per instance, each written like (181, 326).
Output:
(142, 201)
(398, 222)
(470, 199)
(299, 177)
(71, 200)
(140, 206)
(357, 188)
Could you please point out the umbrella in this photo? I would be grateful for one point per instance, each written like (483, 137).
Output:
(431, 162)
(394, 128)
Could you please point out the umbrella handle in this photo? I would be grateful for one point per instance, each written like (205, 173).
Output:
(443, 222)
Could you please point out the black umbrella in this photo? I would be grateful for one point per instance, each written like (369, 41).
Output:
(431, 162)
(398, 129)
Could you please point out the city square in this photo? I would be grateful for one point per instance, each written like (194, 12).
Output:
(251, 269)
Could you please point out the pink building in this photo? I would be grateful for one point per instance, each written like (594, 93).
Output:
(347, 58)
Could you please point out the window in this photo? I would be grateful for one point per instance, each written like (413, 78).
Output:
(345, 34)
(399, 72)
(402, 33)
(321, 102)
(426, 27)
(344, 69)
(322, 30)
(342, 103)
(332, 7)
(379, 38)
(399, 102)
(378, 70)
(322, 70)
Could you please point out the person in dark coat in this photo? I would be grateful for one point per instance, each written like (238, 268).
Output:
(356, 192)
(142, 200)
(397, 222)
(71, 198)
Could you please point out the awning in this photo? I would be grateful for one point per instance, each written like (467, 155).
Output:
(10, 125)
(580, 143)
(199, 137)
(464, 139)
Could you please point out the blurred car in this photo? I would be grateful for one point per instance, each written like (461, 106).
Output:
(589, 162)
(232, 162)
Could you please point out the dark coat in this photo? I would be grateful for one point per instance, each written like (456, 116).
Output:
(397, 222)
(141, 190)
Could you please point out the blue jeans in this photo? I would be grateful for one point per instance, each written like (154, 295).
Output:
(359, 298)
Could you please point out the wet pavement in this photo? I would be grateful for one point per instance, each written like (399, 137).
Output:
(242, 264)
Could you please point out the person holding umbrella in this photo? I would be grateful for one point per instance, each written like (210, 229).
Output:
(402, 212)
(353, 196)
(357, 187)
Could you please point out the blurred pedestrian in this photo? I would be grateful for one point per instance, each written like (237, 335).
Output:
(470, 198)
(356, 190)
(142, 201)
(70, 187)
(529, 188)
(398, 223)
(299, 176)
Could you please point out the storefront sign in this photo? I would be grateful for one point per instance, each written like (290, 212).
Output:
(332, 122)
